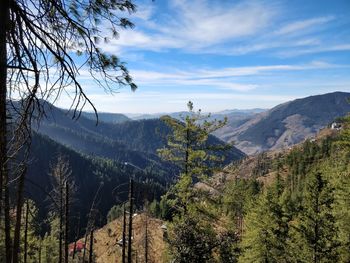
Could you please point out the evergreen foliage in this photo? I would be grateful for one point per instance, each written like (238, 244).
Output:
(192, 240)
(300, 215)
(317, 234)
(189, 149)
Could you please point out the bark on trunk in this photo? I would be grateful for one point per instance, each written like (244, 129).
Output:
(91, 245)
(146, 239)
(17, 236)
(4, 204)
(85, 240)
(76, 238)
(61, 220)
(67, 224)
(131, 197)
(26, 233)
(124, 234)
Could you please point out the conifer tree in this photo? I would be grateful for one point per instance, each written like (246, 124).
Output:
(192, 237)
(191, 241)
(342, 208)
(316, 231)
(267, 231)
(189, 149)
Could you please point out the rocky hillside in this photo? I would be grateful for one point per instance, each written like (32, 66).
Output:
(287, 124)
(265, 166)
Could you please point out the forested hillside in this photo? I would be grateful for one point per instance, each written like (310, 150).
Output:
(280, 206)
(107, 117)
(287, 206)
(92, 176)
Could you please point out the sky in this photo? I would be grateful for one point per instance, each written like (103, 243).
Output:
(227, 54)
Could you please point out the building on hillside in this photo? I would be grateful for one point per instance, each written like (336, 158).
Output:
(335, 126)
(79, 247)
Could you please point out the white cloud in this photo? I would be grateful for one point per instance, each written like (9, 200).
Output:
(225, 78)
(194, 25)
(231, 29)
(315, 49)
(143, 12)
(301, 26)
(204, 24)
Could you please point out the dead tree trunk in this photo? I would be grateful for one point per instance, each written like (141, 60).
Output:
(124, 234)
(76, 238)
(61, 219)
(17, 234)
(91, 245)
(85, 239)
(146, 239)
(26, 233)
(67, 224)
(131, 197)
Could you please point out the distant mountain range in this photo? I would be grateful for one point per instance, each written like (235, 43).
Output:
(106, 117)
(98, 153)
(179, 114)
(130, 141)
(257, 130)
(286, 124)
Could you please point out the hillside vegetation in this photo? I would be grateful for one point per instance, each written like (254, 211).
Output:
(281, 206)
(107, 249)
(287, 206)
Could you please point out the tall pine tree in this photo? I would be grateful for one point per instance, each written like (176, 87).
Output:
(315, 239)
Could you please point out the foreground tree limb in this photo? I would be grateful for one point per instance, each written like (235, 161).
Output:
(40, 42)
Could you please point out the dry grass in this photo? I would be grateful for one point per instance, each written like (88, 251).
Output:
(107, 250)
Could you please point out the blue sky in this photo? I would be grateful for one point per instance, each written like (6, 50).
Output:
(227, 54)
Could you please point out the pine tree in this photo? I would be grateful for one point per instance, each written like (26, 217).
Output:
(237, 197)
(189, 149)
(191, 240)
(266, 231)
(316, 232)
(191, 236)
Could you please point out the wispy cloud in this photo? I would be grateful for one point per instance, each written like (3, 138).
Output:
(196, 50)
(224, 78)
(232, 29)
(195, 25)
(313, 50)
(303, 25)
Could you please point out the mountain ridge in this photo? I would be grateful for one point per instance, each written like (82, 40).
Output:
(287, 123)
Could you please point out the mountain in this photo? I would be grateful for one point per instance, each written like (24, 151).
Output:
(286, 124)
(218, 115)
(135, 142)
(105, 140)
(97, 155)
(107, 117)
(247, 111)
